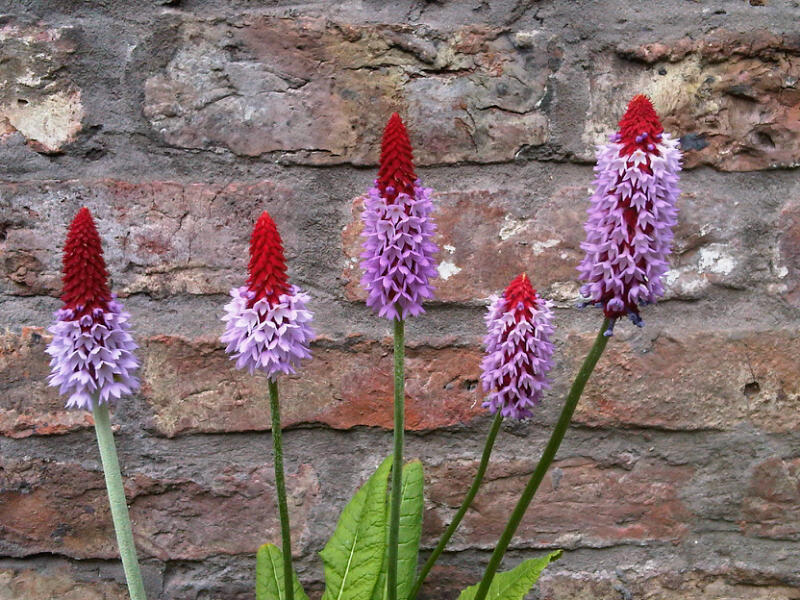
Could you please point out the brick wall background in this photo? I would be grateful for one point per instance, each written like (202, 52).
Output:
(178, 121)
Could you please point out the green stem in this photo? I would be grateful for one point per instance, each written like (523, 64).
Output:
(397, 460)
(545, 461)
(280, 486)
(476, 483)
(116, 498)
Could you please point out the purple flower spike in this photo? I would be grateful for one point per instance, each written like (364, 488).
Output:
(518, 350)
(631, 216)
(398, 251)
(398, 254)
(267, 323)
(92, 349)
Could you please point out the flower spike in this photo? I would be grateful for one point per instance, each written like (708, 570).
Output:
(518, 350)
(632, 212)
(267, 323)
(398, 251)
(92, 349)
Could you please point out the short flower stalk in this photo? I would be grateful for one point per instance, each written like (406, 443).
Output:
(268, 330)
(398, 265)
(92, 361)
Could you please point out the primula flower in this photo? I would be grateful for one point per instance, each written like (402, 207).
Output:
(398, 252)
(92, 350)
(518, 350)
(632, 212)
(267, 323)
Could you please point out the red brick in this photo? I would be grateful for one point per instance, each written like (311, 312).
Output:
(192, 386)
(580, 503)
(61, 508)
(693, 380)
(55, 583)
(771, 506)
(647, 584)
(484, 244)
(28, 406)
(304, 82)
(159, 238)
(732, 91)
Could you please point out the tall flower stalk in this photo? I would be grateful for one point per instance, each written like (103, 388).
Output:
(398, 265)
(514, 372)
(92, 361)
(628, 239)
(268, 330)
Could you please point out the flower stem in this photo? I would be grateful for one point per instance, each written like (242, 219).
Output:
(397, 460)
(280, 486)
(476, 483)
(116, 498)
(546, 460)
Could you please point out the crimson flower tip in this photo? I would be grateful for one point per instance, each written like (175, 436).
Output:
(91, 351)
(267, 323)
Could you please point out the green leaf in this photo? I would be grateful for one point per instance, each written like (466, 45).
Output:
(353, 556)
(269, 575)
(411, 504)
(514, 584)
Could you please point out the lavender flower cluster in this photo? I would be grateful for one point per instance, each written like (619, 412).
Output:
(398, 252)
(518, 356)
(92, 355)
(270, 338)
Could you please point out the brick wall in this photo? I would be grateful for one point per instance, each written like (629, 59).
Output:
(178, 121)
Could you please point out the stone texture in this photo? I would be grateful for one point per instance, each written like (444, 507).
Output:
(193, 387)
(771, 507)
(679, 479)
(28, 405)
(160, 238)
(682, 585)
(669, 382)
(55, 583)
(580, 503)
(732, 97)
(38, 100)
(62, 508)
(488, 236)
(259, 85)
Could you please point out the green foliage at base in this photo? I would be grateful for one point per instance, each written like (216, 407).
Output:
(270, 584)
(514, 584)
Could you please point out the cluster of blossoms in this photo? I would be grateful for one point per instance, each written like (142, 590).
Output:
(398, 251)
(267, 322)
(518, 350)
(92, 349)
(632, 212)
(629, 233)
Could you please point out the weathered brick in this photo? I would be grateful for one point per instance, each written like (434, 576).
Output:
(299, 87)
(28, 406)
(55, 583)
(771, 506)
(38, 100)
(580, 503)
(652, 584)
(732, 96)
(486, 238)
(160, 238)
(694, 380)
(62, 508)
(193, 387)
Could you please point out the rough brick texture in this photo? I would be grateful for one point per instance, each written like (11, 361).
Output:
(178, 122)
